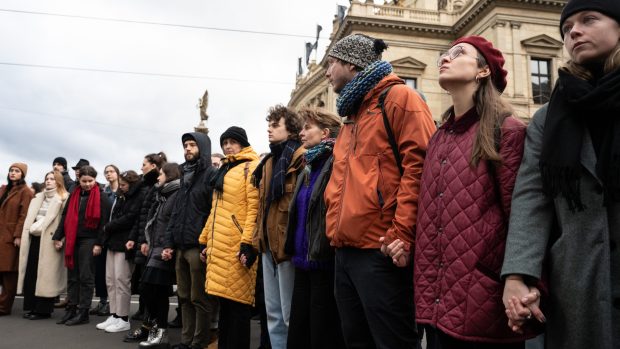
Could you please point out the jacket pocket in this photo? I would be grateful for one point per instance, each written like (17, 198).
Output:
(236, 222)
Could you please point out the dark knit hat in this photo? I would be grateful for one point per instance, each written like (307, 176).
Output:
(493, 56)
(187, 137)
(358, 49)
(236, 133)
(60, 160)
(22, 167)
(82, 162)
(609, 8)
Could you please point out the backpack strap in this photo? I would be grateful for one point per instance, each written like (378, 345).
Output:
(389, 131)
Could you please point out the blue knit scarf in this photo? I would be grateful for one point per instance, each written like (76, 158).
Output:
(353, 93)
(316, 154)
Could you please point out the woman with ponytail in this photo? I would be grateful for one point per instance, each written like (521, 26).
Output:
(81, 232)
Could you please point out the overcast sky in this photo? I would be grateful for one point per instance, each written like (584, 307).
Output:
(118, 118)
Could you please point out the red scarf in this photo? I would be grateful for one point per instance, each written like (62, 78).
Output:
(91, 219)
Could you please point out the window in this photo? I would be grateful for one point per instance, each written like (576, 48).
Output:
(540, 70)
(411, 82)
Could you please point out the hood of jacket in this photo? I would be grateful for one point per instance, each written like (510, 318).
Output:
(204, 146)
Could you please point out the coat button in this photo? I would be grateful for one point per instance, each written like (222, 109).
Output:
(443, 162)
(437, 301)
(441, 194)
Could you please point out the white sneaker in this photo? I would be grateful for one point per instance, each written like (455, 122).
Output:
(109, 321)
(119, 326)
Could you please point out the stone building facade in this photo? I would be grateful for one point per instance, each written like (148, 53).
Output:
(418, 31)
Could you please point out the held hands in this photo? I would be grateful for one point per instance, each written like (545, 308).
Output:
(57, 244)
(521, 303)
(96, 250)
(166, 254)
(203, 255)
(17, 242)
(144, 249)
(396, 251)
(247, 255)
(129, 245)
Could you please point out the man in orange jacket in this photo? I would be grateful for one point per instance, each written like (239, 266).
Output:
(372, 194)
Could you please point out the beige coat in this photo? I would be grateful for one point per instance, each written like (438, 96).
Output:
(52, 274)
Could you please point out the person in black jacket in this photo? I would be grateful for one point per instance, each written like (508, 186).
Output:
(81, 230)
(189, 215)
(60, 165)
(158, 276)
(119, 263)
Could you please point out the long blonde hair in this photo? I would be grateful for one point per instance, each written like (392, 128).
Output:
(60, 183)
(492, 109)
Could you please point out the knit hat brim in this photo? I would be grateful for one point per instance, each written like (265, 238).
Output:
(609, 8)
(22, 167)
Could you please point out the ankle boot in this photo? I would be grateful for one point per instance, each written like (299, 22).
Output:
(176, 323)
(139, 334)
(69, 313)
(157, 338)
(80, 318)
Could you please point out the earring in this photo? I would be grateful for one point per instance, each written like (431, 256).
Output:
(477, 80)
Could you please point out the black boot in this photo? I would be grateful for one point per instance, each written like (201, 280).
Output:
(70, 311)
(139, 334)
(80, 318)
(176, 323)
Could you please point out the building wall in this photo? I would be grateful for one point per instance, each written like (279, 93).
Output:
(520, 29)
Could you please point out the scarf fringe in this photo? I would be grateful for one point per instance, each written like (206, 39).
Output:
(564, 181)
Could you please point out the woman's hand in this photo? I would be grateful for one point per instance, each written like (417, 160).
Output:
(129, 245)
(17, 242)
(96, 250)
(203, 255)
(58, 244)
(521, 303)
(396, 250)
(166, 254)
(144, 249)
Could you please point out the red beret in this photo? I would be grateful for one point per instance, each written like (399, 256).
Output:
(493, 56)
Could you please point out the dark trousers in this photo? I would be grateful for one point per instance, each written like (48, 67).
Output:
(39, 305)
(375, 300)
(314, 323)
(234, 325)
(8, 280)
(81, 279)
(436, 339)
(101, 290)
(156, 300)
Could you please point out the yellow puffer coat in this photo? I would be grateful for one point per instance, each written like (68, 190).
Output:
(231, 222)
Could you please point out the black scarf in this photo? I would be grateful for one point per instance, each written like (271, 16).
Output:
(218, 180)
(162, 195)
(282, 154)
(575, 102)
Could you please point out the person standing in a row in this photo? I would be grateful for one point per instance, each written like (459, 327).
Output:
(80, 231)
(315, 323)
(565, 222)
(275, 177)
(15, 197)
(228, 234)
(60, 164)
(158, 277)
(189, 215)
(42, 274)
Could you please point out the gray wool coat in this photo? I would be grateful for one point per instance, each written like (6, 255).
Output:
(578, 250)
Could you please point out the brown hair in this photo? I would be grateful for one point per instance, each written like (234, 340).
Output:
(292, 121)
(217, 155)
(172, 171)
(612, 62)
(323, 118)
(60, 183)
(130, 177)
(158, 159)
(492, 109)
(88, 171)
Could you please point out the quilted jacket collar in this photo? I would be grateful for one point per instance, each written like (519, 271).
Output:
(464, 123)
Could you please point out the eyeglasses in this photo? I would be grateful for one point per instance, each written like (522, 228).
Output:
(453, 53)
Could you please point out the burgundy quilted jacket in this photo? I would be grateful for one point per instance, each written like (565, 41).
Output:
(461, 232)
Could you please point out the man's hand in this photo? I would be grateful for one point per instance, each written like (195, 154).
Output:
(166, 254)
(96, 250)
(17, 242)
(129, 245)
(396, 250)
(144, 249)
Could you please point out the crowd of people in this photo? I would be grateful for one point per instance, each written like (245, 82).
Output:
(364, 229)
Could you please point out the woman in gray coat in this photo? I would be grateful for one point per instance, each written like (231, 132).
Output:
(565, 220)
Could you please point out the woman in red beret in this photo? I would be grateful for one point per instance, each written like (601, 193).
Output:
(565, 225)
(464, 204)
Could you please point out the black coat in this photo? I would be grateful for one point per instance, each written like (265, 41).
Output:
(157, 232)
(149, 189)
(124, 214)
(193, 203)
(69, 183)
(82, 232)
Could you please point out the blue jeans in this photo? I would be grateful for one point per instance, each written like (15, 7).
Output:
(278, 281)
